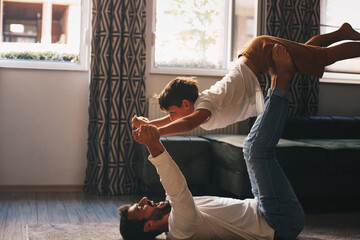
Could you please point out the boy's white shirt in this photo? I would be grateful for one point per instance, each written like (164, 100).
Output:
(207, 217)
(236, 97)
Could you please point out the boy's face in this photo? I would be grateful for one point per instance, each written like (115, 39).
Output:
(179, 112)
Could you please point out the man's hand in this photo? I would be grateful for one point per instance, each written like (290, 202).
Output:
(150, 136)
(284, 67)
(146, 134)
(136, 121)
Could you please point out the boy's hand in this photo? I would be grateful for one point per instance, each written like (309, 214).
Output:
(136, 121)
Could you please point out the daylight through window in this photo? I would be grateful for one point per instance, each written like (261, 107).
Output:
(202, 34)
(333, 14)
(40, 30)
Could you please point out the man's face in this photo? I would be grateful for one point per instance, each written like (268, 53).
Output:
(147, 209)
(179, 112)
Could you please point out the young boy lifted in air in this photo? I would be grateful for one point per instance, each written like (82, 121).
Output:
(238, 95)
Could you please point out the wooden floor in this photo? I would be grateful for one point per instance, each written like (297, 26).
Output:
(19, 209)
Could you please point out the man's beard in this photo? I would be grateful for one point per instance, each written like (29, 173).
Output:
(160, 212)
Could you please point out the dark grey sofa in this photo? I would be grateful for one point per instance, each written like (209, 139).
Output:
(320, 156)
(192, 154)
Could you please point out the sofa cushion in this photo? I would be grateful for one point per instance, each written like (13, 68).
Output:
(229, 169)
(227, 151)
(333, 144)
(343, 165)
(298, 159)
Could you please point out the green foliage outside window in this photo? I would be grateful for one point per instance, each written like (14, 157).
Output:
(198, 15)
(42, 56)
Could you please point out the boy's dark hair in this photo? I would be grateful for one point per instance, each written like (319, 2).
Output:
(133, 229)
(177, 90)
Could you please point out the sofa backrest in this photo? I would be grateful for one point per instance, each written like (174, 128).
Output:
(322, 128)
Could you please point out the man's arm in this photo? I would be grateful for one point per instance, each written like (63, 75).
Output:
(184, 214)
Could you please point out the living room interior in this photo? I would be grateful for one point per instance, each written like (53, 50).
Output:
(45, 144)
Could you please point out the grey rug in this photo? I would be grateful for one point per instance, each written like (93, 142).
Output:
(332, 226)
(101, 231)
(317, 227)
(310, 233)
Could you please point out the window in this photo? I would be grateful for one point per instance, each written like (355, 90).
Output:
(200, 36)
(44, 33)
(332, 14)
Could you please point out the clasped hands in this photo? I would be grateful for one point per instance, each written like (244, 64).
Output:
(144, 132)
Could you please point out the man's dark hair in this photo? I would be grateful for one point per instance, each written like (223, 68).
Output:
(133, 229)
(176, 91)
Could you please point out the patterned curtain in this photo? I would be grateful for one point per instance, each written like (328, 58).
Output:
(117, 93)
(296, 20)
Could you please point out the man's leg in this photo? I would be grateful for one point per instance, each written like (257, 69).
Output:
(277, 200)
(280, 78)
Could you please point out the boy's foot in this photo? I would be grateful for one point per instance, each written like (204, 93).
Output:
(284, 67)
(349, 32)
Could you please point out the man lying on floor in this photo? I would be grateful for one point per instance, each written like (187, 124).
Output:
(274, 212)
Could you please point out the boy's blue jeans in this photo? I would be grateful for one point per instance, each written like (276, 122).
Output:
(277, 199)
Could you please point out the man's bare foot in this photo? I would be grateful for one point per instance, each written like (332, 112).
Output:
(349, 32)
(284, 67)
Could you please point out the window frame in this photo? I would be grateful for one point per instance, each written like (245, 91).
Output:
(337, 76)
(84, 51)
(199, 71)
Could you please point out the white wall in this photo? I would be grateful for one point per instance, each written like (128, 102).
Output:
(43, 127)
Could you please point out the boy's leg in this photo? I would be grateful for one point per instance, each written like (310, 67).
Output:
(343, 51)
(345, 32)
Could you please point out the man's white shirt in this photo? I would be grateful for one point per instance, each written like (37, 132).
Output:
(207, 217)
